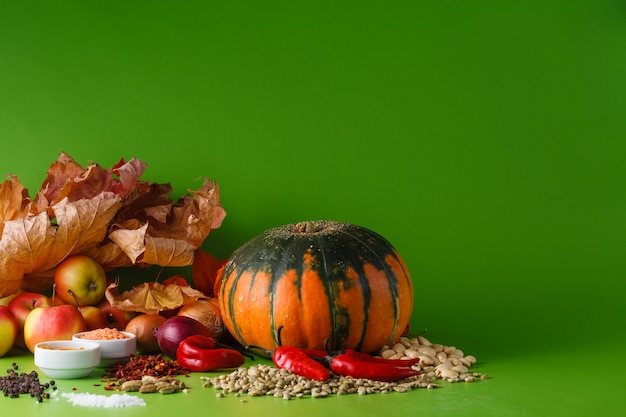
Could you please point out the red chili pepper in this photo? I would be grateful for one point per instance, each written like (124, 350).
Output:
(320, 354)
(347, 365)
(199, 353)
(400, 363)
(297, 361)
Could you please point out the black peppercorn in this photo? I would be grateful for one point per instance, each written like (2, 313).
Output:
(13, 384)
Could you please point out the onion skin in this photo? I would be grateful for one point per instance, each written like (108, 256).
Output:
(207, 312)
(176, 329)
(144, 326)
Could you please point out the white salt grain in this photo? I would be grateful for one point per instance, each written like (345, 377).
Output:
(106, 401)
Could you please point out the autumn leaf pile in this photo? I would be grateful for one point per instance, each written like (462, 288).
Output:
(110, 215)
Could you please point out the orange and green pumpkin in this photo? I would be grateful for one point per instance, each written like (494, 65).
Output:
(323, 283)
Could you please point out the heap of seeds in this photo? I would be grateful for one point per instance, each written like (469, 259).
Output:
(437, 362)
(259, 379)
(150, 384)
(16, 383)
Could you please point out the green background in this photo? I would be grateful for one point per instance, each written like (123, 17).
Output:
(484, 139)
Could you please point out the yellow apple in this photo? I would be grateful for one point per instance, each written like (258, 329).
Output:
(80, 281)
(8, 330)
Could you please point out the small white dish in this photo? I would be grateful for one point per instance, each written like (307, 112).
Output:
(67, 359)
(112, 351)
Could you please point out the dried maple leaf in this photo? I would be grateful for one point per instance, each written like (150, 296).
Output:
(14, 200)
(109, 214)
(67, 179)
(170, 238)
(152, 297)
(36, 244)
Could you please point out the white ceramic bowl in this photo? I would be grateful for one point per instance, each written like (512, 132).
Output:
(67, 359)
(113, 351)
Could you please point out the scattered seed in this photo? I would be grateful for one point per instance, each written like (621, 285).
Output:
(437, 362)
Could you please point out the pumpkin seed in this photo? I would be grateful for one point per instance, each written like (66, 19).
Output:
(442, 357)
(454, 361)
(437, 347)
(427, 350)
(387, 353)
(423, 341)
(449, 350)
(448, 373)
(426, 360)
(433, 354)
(411, 353)
(458, 353)
(460, 368)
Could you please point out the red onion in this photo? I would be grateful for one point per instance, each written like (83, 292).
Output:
(174, 330)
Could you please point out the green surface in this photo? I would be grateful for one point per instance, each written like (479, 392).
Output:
(485, 140)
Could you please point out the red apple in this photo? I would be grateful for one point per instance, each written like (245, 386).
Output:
(8, 330)
(22, 305)
(94, 317)
(80, 281)
(116, 318)
(52, 323)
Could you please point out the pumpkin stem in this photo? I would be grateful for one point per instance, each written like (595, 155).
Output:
(306, 227)
(266, 352)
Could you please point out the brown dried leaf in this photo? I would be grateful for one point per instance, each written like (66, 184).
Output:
(168, 238)
(67, 179)
(35, 244)
(191, 219)
(152, 297)
(14, 200)
(108, 214)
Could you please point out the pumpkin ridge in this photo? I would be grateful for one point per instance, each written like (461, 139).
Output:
(277, 271)
(389, 273)
(367, 299)
(328, 286)
(365, 284)
(231, 304)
